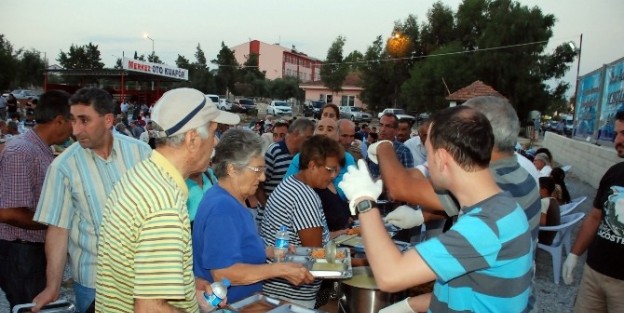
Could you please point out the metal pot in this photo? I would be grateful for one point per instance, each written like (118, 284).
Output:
(366, 299)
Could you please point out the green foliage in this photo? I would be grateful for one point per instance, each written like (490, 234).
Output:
(30, 68)
(227, 70)
(85, 57)
(354, 61)
(118, 64)
(139, 57)
(153, 58)
(334, 71)
(8, 63)
(284, 88)
(463, 43)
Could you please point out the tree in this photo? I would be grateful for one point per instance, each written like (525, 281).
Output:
(334, 71)
(376, 75)
(30, 68)
(81, 57)
(354, 60)
(226, 73)
(153, 58)
(199, 73)
(118, 64)
(499, 42)
(139, 57)
(8, 64)
(284, 88)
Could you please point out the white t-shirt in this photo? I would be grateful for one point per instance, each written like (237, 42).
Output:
(529, 167)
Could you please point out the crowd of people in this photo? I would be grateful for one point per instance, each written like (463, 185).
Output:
(152, 210)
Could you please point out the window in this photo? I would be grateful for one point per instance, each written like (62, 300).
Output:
(347, 101)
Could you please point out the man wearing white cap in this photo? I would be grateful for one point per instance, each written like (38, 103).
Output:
(145, 260)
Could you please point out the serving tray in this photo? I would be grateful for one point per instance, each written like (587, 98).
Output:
(315, 261)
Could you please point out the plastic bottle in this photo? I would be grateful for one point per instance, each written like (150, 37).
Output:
(281, 244)
(219, 292)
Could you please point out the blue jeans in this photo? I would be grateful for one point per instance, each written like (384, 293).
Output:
(84, 297)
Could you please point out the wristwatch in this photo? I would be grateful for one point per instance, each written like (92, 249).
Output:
(365, 206)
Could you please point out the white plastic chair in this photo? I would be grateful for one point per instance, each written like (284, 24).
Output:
(561, 242)
(569, 207)
(566, 168)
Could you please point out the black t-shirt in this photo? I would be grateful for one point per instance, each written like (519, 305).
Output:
(336, 210)
(606, 251)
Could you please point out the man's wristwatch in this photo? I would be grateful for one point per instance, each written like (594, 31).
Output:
(365, 206)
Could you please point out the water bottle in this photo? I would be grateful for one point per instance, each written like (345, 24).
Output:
(281, 244)
(219, 292)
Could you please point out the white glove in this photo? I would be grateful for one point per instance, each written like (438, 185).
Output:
(405, 217)
(372, 150)
(357, 183)
(568, 267)
(399, 307)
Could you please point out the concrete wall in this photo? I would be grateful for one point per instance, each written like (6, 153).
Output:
(589, 162)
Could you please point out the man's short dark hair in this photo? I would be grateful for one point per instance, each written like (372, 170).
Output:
(466, 134)
(619, 116)
(395, 124)
(99, 99)
(547, 183)
(53, 103)
(317, 149)
(405, 121)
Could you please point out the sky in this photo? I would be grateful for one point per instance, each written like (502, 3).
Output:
(119, 27)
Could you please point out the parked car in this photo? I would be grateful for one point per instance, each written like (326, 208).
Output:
(224, 104)
(355, 114)
(24, 95)
(245, 105)
(313, 108)
(213, 98)
(400, 114)
(279, 107)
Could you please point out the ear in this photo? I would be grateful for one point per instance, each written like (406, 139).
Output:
(109, 119)
(444, 160)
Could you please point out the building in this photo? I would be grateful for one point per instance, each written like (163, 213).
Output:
(279, 62)
(476, 89)
(349, 95)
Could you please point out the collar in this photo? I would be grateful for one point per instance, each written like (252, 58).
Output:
(163, 163)
(32, 136)
(113, 154)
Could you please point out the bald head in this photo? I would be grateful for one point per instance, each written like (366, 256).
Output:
(327, 127)
(346, 132)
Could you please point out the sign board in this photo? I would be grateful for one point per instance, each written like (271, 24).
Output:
(612, 99)
(587, 99)
(155, 69)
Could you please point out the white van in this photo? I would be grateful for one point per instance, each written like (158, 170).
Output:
(213, 98)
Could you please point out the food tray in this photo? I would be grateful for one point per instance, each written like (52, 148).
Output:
(59, 306)
(320, 267)
(292, 308)
(257, 303)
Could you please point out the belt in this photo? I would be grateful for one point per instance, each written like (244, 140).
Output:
(23, 242)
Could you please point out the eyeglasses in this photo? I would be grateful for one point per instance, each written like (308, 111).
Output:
(257, 170)
(332, 170)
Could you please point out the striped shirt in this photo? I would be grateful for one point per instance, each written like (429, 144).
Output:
(484, 262)
(145, 248)
(23, 164)
(513, 178)
(74, 192)
(295, 205)
(277, 159)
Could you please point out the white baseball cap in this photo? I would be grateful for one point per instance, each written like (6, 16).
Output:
(182, 109)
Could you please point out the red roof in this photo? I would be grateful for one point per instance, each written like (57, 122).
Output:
(476, 89)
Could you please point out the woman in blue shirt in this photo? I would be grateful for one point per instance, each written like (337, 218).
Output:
(226, 243)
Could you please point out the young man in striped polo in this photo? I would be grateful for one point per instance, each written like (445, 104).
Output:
(484, 262)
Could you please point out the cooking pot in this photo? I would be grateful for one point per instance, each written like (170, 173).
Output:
(361, 294)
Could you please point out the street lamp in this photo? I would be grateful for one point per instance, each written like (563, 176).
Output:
(578, 68)
(148, 37)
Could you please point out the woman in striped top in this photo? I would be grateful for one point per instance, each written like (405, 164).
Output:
(295, 205)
